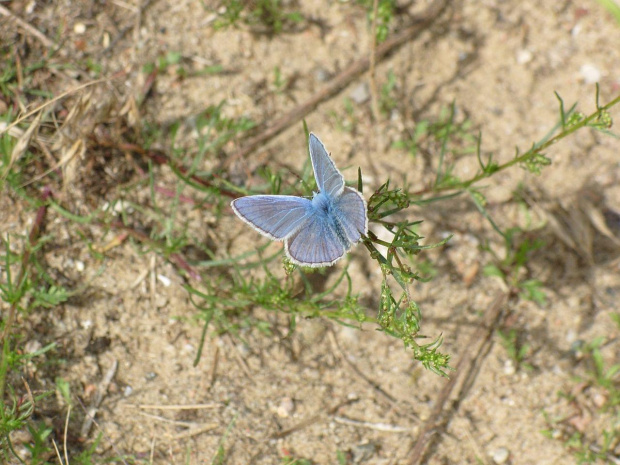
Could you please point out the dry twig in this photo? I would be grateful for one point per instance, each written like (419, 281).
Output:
(57, 98)
(313, 419)
(213, 370)
(240, 360)
(27, 27)
(354, 70)
(385, 427)
(174, 407)
(194, 431)
(374, 97)
(101, 391)
(473, 348)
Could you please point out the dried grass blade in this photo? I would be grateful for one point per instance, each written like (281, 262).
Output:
(24, 142)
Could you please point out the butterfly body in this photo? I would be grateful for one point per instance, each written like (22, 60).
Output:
(318, 231)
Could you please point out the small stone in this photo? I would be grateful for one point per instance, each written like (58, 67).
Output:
(89, 390)
(79, 265)
(500, 455)
(32, 346)
(322, 75)
(590, 73)
(164, 280)
(123, 206)
(599, 399)
(576, 348)
(105, 41)
(160, 301)
(210, 19)
(348, 335)
(286, 407)
(127, 391)
(509, 368)
(360, 93)
(311, 332)
(362, 453)
(244, 350)
(30, 6)
(524, 56)
(79, 28)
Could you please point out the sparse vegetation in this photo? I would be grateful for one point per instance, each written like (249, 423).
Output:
(89, 178)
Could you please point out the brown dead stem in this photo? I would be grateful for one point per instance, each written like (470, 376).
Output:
(267, 132)
(439, 418)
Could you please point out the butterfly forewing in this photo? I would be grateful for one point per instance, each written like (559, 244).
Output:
(316, 244)
(351, 208)
(276, 216)
(328, 178)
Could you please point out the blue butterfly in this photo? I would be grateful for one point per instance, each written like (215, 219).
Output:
(315, 232)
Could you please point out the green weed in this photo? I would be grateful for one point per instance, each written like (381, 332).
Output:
(10, 84)
(268, 16)
(348, 121)
(386, 11)
(295, 461)
(21, 292)
(223, 287)
(25, 287)
(387, 99)
(598, 443)
(611, 6)
(517, 349)
(172, 61)
(448, 134)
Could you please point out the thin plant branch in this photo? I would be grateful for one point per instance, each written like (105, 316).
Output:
(384, 427)
(101, 391)
(311, 420)
(372, 78)
(27, 27)
(478, 340)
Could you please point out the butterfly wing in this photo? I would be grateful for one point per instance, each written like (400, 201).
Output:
(315, 244)
(275, 216)
(328, 178)
(352, 213)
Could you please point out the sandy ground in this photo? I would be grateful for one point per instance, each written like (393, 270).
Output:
(500, 63)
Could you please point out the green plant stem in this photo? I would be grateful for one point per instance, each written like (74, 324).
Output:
(534, 150)
(612, 7)
(21, 276)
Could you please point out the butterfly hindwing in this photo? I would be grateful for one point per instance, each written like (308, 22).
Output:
(316, 244)
(351, 207)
